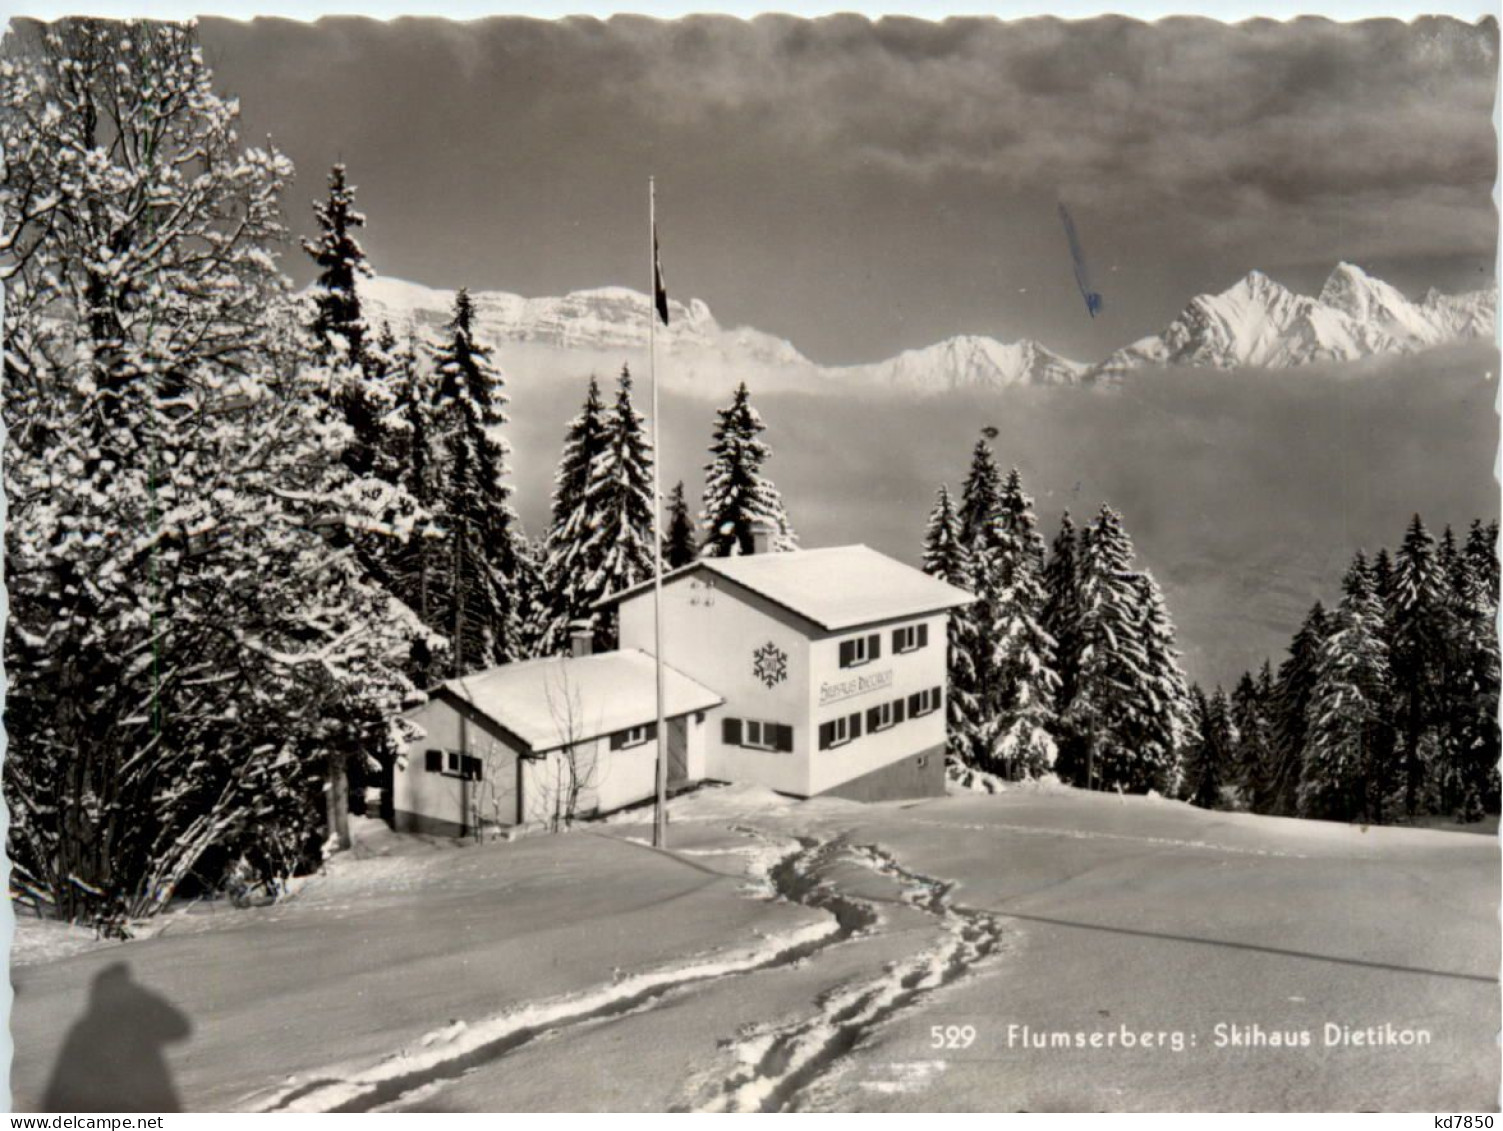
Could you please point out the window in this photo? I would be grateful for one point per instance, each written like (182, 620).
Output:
(910, 638)
(452, 764)
(837, 732)
(757, 734)
(634, 736)
(881, 717)
(860, 650)
(924, 702)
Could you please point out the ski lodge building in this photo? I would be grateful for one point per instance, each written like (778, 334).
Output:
(809, 672)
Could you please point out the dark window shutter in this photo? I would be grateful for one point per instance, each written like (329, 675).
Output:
(618, 740)
(856, 725)
(826, 735)
(784, 738)
(471, 768)
(939, 696)
(847, 652)
(730, 731)
(874, 646)
(873, 717)
(434, 761)
(652, 732)
(898, 712)
(897, 639)
(913, 704)
(923, 636)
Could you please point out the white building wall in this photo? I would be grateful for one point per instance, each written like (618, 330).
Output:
(711, 636)
(836, 691)
(545, 781)
(441, 797)
(612, 779)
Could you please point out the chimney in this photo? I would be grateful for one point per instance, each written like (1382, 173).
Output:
(761, 534)
(581, 638)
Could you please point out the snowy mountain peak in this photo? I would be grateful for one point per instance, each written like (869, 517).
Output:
(608, 319)
(968, 361)
(1257, 286)
(1358, 295)
(1258, 322)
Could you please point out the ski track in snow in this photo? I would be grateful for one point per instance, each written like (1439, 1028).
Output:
(778, 1064)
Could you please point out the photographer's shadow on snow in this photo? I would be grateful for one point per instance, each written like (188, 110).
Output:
(114, 1056)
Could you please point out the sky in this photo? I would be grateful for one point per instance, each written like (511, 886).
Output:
(860, 187)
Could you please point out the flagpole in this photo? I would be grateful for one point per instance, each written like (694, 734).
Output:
(660, 816)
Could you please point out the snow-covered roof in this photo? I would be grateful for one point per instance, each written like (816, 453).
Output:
(552, 702)
(836, 588)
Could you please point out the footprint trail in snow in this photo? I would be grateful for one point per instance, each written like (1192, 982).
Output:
(777, 1064)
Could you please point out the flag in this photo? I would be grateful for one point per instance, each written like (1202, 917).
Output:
(659, 292)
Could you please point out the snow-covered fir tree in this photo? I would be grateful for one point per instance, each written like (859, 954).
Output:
(1470, 751)
(1209, 754)
(1482, 552)
(1163, 708)
(679, 548)
(531, 606)
(474, 495)
(1252, 757)
(978, 520)
(1061, 620)
(1020, 717)
(1291, 713)
(187, 651)
(1346, 772)
(1020, 526)
(567, 566)
(946, 557)
(980, 496)
(1107, 710)
(416, 567)
(338, 324)
(389, 361)
(1382, 566)
(1418, 638)
(620, 505)
(357, 361)
(738, 498)
(360, 367)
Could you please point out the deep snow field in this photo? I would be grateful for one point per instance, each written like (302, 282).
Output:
(811, 955)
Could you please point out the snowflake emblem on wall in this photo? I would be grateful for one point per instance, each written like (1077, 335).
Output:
(770, 664)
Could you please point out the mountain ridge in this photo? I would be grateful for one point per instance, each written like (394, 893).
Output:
(1257, 322)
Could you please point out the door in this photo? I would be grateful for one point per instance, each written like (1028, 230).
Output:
(678, 752)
